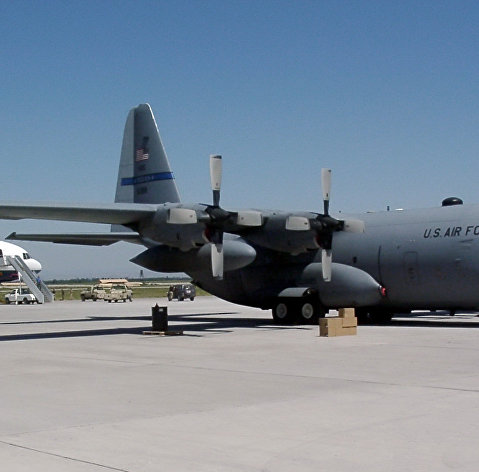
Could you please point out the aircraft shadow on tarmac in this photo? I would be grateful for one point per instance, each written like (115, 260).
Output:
(437, 319)
(194, 324)
(191, 324)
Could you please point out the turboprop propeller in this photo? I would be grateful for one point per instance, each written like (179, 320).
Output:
(221, 220)
(324, 225)
(218, 217)
(327, 242)
(217, 221)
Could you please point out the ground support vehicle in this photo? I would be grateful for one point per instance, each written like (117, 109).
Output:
(117, 293)
(20, 295)
(181, 292)
(95, 292)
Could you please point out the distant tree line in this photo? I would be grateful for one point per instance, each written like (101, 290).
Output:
(94, 280)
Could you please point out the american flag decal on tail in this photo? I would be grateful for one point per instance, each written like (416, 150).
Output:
(141, 155)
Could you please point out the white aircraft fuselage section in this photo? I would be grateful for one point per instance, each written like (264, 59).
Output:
(7, 272)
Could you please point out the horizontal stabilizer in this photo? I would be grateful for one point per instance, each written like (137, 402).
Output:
(89, 239)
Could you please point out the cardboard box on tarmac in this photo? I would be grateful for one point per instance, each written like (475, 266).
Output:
(343, 325)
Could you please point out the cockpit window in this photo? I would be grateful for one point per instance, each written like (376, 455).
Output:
(26, 255)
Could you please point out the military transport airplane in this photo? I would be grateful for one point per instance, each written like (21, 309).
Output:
(296, 263)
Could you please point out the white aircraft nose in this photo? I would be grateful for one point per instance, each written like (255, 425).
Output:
(33, 264)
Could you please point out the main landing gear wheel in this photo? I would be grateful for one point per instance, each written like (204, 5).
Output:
(283, 312)
(297, 310)
(310, 312)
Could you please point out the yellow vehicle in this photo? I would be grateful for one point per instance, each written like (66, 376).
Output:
(95, 292)
(117, 293)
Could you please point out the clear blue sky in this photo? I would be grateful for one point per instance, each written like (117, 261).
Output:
(385, 93)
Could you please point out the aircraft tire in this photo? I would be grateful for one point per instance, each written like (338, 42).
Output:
(310, 312)
(283, 312)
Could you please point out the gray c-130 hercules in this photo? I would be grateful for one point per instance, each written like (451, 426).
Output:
(299, 264)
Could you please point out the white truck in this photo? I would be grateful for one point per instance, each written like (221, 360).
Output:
(20, 295)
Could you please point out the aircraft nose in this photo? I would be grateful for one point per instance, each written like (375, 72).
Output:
(33, 264)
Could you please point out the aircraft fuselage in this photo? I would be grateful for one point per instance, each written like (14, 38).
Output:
(425, 259)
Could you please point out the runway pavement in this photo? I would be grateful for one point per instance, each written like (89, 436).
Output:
(82, 389)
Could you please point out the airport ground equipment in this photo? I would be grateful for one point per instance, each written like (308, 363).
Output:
(20, 295)
(118, 293)
(95, 292)
(181, 292)
(159, 322)
(159, 318)
(38, 288)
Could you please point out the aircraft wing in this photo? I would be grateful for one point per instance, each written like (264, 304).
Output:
(114, 213)
(89, 239)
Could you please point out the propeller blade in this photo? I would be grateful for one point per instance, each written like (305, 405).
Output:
(217, 260)
(326, 187)
(354, 226)
(249, 218)
(215, 175)
(326, 264)
(298, 223)
(181, 216)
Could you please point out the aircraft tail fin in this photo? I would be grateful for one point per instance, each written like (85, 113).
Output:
(144, 175)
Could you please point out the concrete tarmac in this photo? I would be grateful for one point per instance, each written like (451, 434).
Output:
(82, 389)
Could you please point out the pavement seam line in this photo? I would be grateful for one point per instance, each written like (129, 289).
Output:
(73, 459)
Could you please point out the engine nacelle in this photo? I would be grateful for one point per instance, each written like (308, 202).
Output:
(178, 235)
(275, 235)
(237, 254)
(349, 286)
